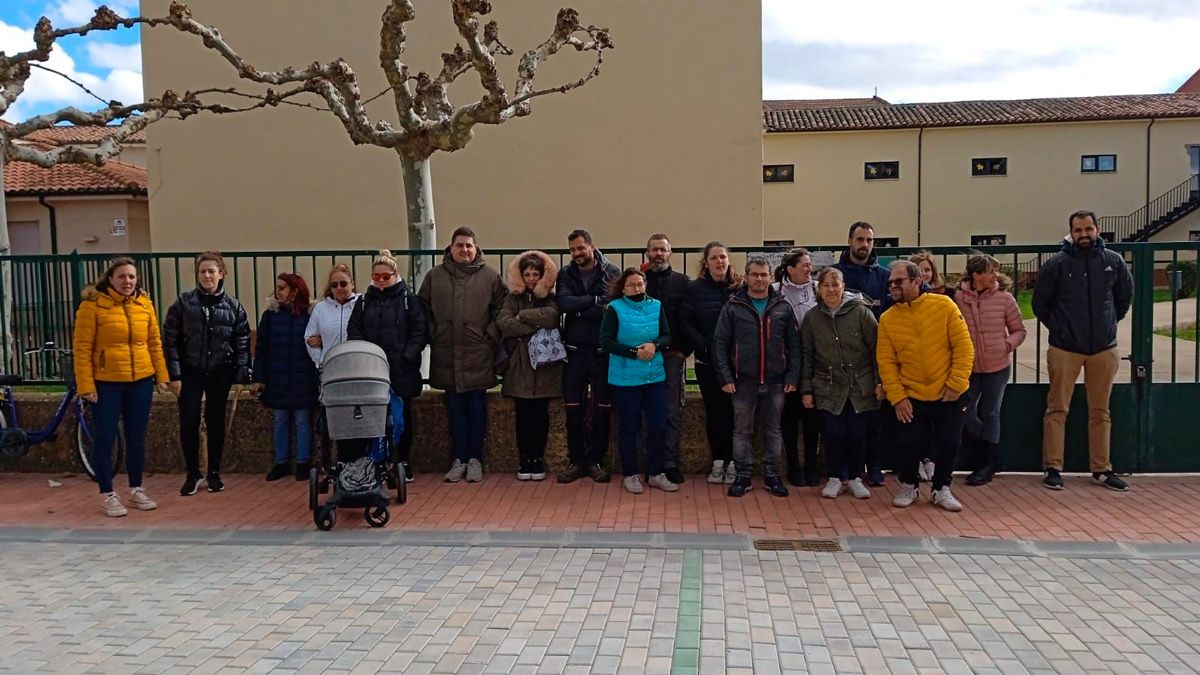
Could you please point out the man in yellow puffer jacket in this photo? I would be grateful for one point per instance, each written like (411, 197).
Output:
(925, 356)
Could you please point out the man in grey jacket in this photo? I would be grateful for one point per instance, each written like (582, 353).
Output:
(1081, 294)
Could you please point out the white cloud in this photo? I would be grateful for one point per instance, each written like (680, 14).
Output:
(948, 50)
(48, 91)
(115, 57)
(75, 12)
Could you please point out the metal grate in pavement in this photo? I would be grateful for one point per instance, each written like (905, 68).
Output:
(811, 545)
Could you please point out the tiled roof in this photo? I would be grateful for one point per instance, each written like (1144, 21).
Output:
(1192, 85)
(84, 135)
(805, 116)
(807, 104)
(24, 179)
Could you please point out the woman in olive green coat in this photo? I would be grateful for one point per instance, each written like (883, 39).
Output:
(528, 307)
(839, 377)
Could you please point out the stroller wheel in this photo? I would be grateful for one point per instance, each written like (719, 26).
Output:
(325, 518)
(313, 487)
(377, 516)
(401, 485)
(393, 476)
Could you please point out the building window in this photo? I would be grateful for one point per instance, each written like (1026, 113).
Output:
(1098, 163)
(881, 171)
(1110, 237)
(887, 242)
(988, 239)
(989, 166)
(1193, 235)
(779, 173)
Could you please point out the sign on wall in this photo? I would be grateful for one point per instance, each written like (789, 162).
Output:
(118, 227)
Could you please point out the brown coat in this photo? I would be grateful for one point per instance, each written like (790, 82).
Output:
(521, 315)
(462, 301)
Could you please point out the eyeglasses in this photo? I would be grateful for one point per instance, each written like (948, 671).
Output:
(339, 284)
(382, 276)
(898, 282)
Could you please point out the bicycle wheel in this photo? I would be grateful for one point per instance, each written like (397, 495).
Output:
(84, 442)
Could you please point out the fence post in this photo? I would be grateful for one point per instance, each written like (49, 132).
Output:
(1141, 356)
(77, 280)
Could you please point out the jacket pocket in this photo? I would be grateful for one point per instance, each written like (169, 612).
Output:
(101, 360)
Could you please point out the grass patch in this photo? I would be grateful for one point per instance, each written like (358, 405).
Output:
(1025, 300)
(1184, 332)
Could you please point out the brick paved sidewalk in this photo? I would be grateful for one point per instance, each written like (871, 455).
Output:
(1157, 509)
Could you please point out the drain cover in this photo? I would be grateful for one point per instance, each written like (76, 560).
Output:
(813, 545)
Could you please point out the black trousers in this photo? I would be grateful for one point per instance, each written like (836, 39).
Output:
(587, 444)
(794, 419)
(533, 427)
(935, 431)
(214, 389)
(718, 413)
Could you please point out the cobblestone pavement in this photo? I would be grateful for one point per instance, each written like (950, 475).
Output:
(78, 607)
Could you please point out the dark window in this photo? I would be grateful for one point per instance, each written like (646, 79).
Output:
(881, 171)
(887, 242)
(988, 239)
(1193, 235)
(989, 166)
(779, 173)
(1110, 237)
(1098, 163)
(779, 243)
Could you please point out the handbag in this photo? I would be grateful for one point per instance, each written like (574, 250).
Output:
(546, 347)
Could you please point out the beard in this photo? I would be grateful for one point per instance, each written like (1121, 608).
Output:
(659, 265)
(1084, 242)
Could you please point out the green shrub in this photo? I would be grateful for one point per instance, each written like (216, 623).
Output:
(1187, 287)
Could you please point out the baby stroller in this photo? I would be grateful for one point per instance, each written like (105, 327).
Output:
(355, 394)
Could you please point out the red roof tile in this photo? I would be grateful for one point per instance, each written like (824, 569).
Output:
(23, 179)
(806, 116)
(806, 104)
(1192, 85)
(84, 135)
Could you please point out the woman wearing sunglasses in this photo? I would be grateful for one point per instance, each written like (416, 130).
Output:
(390, 315)
(327, 324)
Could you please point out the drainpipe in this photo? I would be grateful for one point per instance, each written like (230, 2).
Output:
(920, 152)
(53, 223)
(1147, 202)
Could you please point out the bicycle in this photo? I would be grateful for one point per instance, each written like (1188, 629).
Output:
(15, 441)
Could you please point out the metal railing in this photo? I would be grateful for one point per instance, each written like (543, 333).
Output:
(1163, 210)
(44, 292)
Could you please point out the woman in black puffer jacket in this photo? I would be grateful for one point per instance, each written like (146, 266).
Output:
(206, 341)
(390, 315)
(702, 304)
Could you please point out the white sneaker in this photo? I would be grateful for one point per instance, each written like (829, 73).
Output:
(730, 473)
(537, 475)
(832, 489)
(456, 472)
(944, 499)
(522, 475)
(112, 507)
(633, 484)
(717, 475)
(475, 471)
(138, 498)
(908, 496)
(858, 489)
(925, 470)
(660, 481)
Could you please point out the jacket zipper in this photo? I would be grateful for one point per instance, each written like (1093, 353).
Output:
(129, 323)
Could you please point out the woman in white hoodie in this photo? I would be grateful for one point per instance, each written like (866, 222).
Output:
(794, 281)
(327, 324)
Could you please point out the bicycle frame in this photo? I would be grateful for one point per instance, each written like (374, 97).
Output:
(11, 414)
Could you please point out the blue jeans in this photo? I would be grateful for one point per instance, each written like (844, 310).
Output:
(845, 442)
(467, 413)
(115, 401)
(650, 401)
(983, 412)
(761, 403)
(284, 419)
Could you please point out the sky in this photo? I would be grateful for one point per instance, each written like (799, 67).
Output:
(929, 50)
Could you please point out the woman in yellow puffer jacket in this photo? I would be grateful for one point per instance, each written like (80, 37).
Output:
(118, 359)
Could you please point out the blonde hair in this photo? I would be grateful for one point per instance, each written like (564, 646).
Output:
(385, 258)
(935, 279)
(344, 269)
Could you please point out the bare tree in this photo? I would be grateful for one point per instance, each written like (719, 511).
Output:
(428, 121)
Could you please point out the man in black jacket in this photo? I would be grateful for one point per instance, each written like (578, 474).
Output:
(756, 351)
(1081, 294)
(582, 295)
(668, 287)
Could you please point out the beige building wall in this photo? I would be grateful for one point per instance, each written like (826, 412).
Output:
(667, 138)
(81, 219)
(1029, 205)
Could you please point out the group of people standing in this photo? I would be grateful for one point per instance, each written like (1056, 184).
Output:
(779, 350)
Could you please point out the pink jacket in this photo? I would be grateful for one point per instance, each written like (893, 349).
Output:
(995, 324)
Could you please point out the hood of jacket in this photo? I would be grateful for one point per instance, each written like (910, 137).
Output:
(872, 257)
(971, 296)
(332, 302)
(1069, 247)
(273, 305)
(460, 270)
(398, 288)
(516, 284)
(850, 300)
(743, 295)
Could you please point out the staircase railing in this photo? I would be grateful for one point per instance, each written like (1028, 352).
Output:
(1126, 226)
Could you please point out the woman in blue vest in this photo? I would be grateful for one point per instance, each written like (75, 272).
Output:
(634, 332)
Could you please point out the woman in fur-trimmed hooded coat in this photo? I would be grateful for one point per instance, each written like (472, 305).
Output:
(529, 307)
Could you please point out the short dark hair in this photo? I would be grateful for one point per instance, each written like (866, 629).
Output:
(855, 226)
(789, 259)
(211, 256)
(576, 234)
(463, 231)
(1081, 214)
(616, 288)
(532, 260)
(657, 235)
(757, 260)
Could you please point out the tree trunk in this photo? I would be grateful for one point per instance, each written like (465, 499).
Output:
(422, 230)
(10, 364)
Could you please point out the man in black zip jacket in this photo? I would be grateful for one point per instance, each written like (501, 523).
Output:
(669, 287)
(1080, 295)
(582, 295)
(756, 351)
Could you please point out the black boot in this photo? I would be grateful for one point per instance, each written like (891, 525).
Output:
(989, 453)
